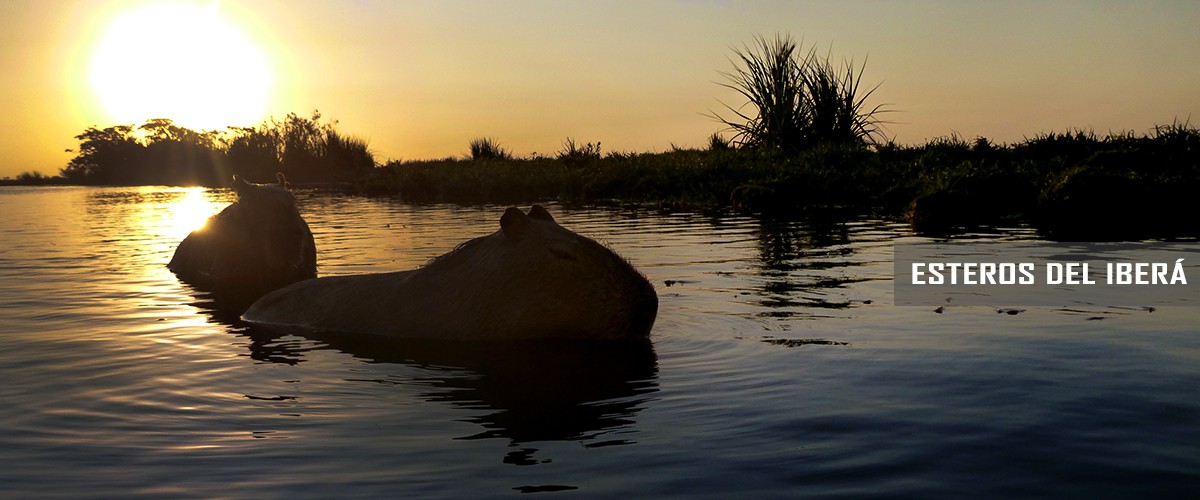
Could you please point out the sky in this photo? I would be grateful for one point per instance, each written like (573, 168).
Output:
(420, 80)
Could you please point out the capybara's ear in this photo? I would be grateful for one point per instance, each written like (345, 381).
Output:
(539, 212)
(514, 222)
(239, 185)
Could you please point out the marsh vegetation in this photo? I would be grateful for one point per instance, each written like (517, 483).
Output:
(797, 99)
(1075, 184)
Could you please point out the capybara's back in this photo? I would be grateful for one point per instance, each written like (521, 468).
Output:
(530, 279)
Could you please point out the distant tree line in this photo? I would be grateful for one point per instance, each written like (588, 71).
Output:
(32, 178)
(161, 152)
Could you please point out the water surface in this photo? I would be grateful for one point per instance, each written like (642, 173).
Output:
(778, 368)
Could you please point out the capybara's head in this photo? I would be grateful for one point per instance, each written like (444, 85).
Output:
(554, 282)
(253, 246)
(265, 196)
(266, 212)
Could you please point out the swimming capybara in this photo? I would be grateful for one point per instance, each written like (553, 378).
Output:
(255, 245)
(532, 279)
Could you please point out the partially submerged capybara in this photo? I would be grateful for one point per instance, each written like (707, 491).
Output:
(255, 245)
(532, 279)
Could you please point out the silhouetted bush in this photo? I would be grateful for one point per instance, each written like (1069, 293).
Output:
(717, 142)
(797, 100)
(486, 148)
(575, 154)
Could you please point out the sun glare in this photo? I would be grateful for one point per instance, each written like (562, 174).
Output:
(179, 61)
(191, 212)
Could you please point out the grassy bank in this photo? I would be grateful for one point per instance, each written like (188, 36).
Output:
(1071, 185)
(682, 177)
(1074, 184)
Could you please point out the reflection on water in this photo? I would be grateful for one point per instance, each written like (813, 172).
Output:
(533, 391)
(777, 367)
(797, 257)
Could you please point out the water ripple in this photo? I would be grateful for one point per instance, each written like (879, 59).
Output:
(777, 367)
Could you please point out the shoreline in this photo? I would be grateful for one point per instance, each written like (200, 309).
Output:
(1073, 186)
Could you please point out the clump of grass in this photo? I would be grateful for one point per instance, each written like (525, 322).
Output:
(836, 104)
(718, 142)
(346, 156)
(1059, 150)
(772, 84)
(575, 154)
(487, 148)
(798, 100)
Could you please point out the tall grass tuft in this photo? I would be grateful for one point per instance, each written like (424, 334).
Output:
(835, 104)
(575, 154)
(797, 99)
(346, 155)
(487, 148)
(718, 142)
(772, 84)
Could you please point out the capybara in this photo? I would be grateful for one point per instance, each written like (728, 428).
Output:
(531, 279)
(255, 245)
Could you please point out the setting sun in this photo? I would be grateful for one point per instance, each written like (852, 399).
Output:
(183, 62)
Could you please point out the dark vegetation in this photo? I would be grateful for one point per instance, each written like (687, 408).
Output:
(804, 139)
(799, 100)
(32, 178)
(486, 148)
(1074, 185)
(160, 152)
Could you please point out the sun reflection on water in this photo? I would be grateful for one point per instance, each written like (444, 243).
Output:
(190, 212)
(150, 222)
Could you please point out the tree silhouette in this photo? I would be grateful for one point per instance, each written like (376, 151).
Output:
(161, 152)
(100, 150)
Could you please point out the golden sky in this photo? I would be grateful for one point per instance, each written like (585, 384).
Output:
(421, 79)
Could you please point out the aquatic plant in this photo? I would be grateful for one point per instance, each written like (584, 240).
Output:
(772, 83)
(718, 142)
(835, 104)
(346, 155)
(487, 148)
(575, 154)
(797, 99)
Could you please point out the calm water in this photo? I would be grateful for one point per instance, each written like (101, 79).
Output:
(778, 368)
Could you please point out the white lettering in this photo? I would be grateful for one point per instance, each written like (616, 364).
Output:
(916, 273)
(1027, 273)
(1055, 273)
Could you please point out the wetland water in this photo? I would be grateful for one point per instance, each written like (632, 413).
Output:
(778, 368)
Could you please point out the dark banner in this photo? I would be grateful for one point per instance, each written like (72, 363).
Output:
(1027, 273)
